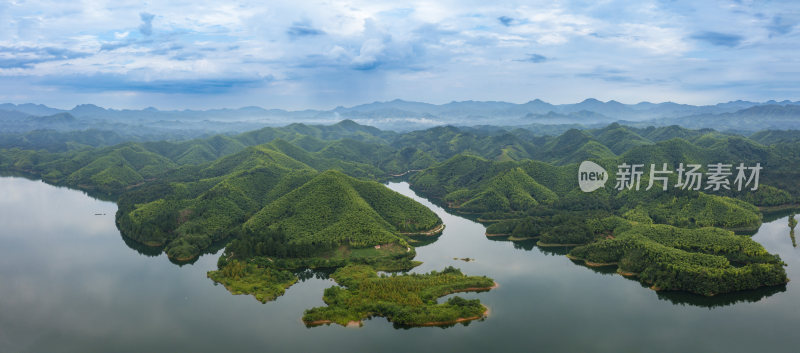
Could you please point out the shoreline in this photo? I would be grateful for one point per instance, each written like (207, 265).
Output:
(551, 245)
(590, 263)
(482, 220)
(475, 289)
(783, 207)
(434, 231)
(184, 259)
(626, 274)
(404, 173)
(510, 237)
(513, 238)
(350, 324)
(360, 323)
(485, 314)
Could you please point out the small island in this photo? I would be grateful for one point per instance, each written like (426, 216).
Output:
(706, 261)
(408, 299)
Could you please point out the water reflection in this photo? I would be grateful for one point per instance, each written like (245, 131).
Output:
(69, 284)
(770, 216)
(423, 240)
(149, 251)
(679, 298)
(604, 270)
(318, 273)
(720, 300)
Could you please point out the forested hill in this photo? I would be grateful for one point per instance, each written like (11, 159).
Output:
(262, 189)
(363, 151)
(310, 192)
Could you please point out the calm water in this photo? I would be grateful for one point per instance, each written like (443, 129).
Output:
(68, 282)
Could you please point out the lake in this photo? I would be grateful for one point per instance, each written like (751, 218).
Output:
(69, 282)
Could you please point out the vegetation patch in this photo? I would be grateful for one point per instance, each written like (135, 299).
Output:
(692, 260)
(265, 284)
(408, 299)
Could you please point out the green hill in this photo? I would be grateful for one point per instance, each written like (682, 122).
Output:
(463, 177)
(288, 198)
(770, 137)
(106, 170)
(265, 189)
(335, 209)
(573, 146)
(511, 190)
(353, 162)
(664, 133)
(693, 260)
(619, 139)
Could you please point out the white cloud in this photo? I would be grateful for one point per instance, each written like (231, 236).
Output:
(434, 51)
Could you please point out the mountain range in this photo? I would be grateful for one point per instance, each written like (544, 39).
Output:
(403, 115)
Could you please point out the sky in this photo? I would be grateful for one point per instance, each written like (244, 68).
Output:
(203, 54)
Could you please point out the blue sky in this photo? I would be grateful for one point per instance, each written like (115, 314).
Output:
(294, 55)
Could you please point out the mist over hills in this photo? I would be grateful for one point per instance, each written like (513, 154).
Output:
(400, 115)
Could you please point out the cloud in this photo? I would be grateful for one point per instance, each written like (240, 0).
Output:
(303, 29)
(615, 75)
(610, 76)
(146, 28)
(534, 58)
(110, 82)
(27, 57)
(505, 20)
(719, 39)
(367, 58)
(186, 55)
(115, 45)
(384, 50)
(780, 26)
(167, 48)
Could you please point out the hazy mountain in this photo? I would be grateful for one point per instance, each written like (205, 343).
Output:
(31, 109)
(59, 118)
(400, 115)
(759, 117)
(13, 115)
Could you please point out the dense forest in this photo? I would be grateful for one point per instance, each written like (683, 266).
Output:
(705, 261)
(306, 196)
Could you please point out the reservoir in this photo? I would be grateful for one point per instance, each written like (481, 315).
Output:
(70, 282)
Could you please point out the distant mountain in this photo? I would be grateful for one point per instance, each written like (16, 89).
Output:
(59, 118)
(611, 108)
(31, 109)
(754, 118)
(578, 117)
(12, 115)
(400, 115)
(86, 110)
(399, 104)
